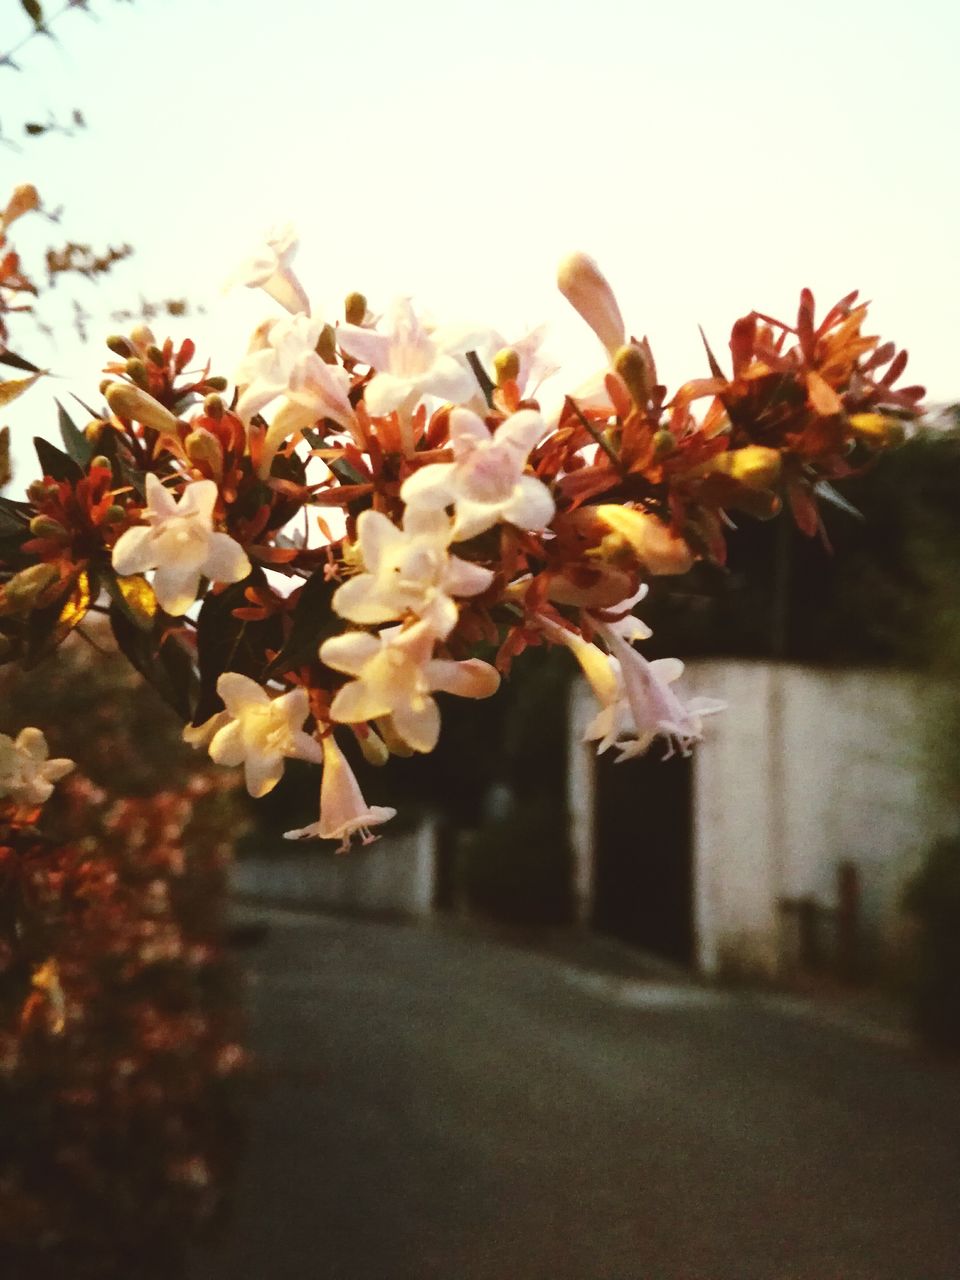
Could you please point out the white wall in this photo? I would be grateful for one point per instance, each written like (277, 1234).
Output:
(808, 767)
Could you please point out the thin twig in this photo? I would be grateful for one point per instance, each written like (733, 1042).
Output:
(597, 436)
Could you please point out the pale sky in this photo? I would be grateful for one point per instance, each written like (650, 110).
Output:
(713, 158)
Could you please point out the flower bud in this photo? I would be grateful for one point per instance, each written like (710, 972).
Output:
(46, 527)
(631, 364)
(114, 514)
(213, 406)
(120, 346)
(101, 463)
(877, 430)
(585, 287)
(327, 345)
(217, 383)
(25, 587)
(24, 199)
(754, 466)
(653, 543)
(142, 337)
(93, 430)
(39, 491)
(375, 750)
(664, 442)
(203, 448)
(155, 356)
(130, 402)
(354, 308)
(137, 372)
(506, 365)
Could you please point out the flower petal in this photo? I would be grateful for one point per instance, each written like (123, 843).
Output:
(356, 702)
(472, 678)
(226, 745)
(386, 392)
(241, 694)
(376, 534)
(226, 560)
(160, 500)
(176, 588)
(350, 652)
(134, 551)
(358, 600)
(430, 487)
(462, 578)
(418, 726)
(531, 506)
(199, 499)
(365, 345)
(262, 772)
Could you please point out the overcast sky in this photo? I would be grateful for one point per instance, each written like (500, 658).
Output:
(713, 158)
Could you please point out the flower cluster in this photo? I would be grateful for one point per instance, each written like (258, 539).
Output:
(384, 511)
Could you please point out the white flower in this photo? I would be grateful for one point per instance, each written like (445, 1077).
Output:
(269, 269)
(585, 287)
(343, 810)
(646, 707)
(27, 775)
(257, 731)
(395, 676)
(409, 571)
(180, 542)
(485, 483)
(411, 361)
(284, 362)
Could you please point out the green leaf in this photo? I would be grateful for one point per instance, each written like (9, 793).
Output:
(167, 668)
(55, 463)
(74, 441)
(226, 643)
(313, 622)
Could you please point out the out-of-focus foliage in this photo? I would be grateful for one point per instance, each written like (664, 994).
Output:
(119, 1027)
(933, 899)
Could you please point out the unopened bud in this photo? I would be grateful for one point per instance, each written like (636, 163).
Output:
(327, 345)
(204, 448)
(631, 364)
(585, 287)
(506, 365)
(664, 442)
(93, 430)
(217, 383)
(375, 750)
(213, 406)
(115, 513)
(142, 337)
(754, 466)
(39, 491)
(877, 430)
(354, 308)
(653, 543)
(155, 356)
(101, 463)
(120, 346)
(46, 527)
(137, 372)
(131, 402)
(25, 587)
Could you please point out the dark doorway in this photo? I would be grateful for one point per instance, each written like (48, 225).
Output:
(644, 853)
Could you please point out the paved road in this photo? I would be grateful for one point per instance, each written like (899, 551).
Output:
(434, 1106)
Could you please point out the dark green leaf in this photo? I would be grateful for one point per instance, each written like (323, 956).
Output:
(18, 362)
(313, 622)
(74, 441)
(55, 463)
(169, 669)
(226, 643)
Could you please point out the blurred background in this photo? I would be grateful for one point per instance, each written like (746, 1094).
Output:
(693, 1018)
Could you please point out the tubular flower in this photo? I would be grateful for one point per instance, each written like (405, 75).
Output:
(409, 571)
(486, 482)
(269, 269)
(410, 361)
(585, 287)
(343, 810)
(395, 676)
(646, 707)
(27, 775)
(180, 542)
(258, 731)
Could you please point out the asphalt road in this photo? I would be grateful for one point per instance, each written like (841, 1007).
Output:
(434, 1106)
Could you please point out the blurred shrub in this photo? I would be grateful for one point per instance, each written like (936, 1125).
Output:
(933, 899)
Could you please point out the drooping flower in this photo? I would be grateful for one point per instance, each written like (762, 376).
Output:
(257, 731)
(485, 483)
(181, 544)
(269, 269)
(395, 675)
(409, 570)
(410, 361)
(27, 774)
(343, 810)
(646, 707)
